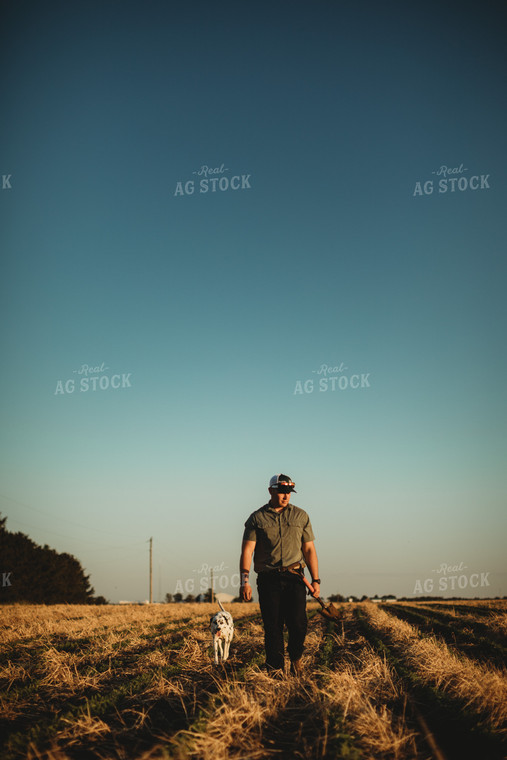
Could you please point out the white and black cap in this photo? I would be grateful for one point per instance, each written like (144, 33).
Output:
(282, 483)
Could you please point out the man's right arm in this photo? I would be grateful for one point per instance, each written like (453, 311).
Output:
(245, 562)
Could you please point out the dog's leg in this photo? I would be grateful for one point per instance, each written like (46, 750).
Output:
(219, 652)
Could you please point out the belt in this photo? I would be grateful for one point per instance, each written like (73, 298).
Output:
(294, 568)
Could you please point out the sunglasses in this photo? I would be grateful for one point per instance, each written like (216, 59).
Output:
(284, 489)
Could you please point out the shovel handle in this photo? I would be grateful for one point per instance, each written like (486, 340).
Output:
(328, 610)
(309, 586)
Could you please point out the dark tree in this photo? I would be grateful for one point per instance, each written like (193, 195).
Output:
(39, 574)
(100, 600)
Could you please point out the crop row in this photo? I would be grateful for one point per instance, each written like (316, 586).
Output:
(490, 619)
(484, 608)
(463, 701)
(361, 684)
(469, 614)
(471, 637)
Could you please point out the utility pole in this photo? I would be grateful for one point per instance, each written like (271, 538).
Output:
(212, 589)
(151, 570)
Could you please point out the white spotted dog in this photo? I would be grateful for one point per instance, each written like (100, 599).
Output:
(222, 630)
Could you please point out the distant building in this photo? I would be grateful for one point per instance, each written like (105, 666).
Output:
(224, 598)
(385, 598)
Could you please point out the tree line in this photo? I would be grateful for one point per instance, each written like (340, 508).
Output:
(39, 574)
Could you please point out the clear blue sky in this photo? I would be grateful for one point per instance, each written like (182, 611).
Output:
(212, 310)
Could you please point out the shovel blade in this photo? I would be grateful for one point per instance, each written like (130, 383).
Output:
(330, 612)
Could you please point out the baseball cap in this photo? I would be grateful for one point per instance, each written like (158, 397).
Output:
(282, 483)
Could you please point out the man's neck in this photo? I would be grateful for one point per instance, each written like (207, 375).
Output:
(277, 508)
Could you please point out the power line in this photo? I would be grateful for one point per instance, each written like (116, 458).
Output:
(57, 517)
(99, 547)
(129, 554)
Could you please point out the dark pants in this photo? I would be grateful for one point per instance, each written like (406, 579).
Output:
(282, 598)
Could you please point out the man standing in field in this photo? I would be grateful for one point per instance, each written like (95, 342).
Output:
(280, 538)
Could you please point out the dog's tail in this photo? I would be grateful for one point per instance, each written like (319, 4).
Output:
(220, 605)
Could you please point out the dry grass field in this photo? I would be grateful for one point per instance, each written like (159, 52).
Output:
(394, 682)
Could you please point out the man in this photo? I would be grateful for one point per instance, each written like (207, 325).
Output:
(279, 536)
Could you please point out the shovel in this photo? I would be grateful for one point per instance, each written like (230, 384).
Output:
(328, 610)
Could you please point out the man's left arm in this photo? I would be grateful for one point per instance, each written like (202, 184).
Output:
(310, 555)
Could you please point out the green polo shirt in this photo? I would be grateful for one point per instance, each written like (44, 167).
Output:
(278, 536)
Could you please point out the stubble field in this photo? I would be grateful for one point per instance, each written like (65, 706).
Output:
(395, 681)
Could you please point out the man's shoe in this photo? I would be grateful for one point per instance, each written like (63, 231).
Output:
(296, 669)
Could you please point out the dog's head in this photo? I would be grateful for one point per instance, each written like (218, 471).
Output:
(220, 623)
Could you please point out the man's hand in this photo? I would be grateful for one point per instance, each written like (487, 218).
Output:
(310, 555)
(245, 593)
(316, 590)
(245, 589)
